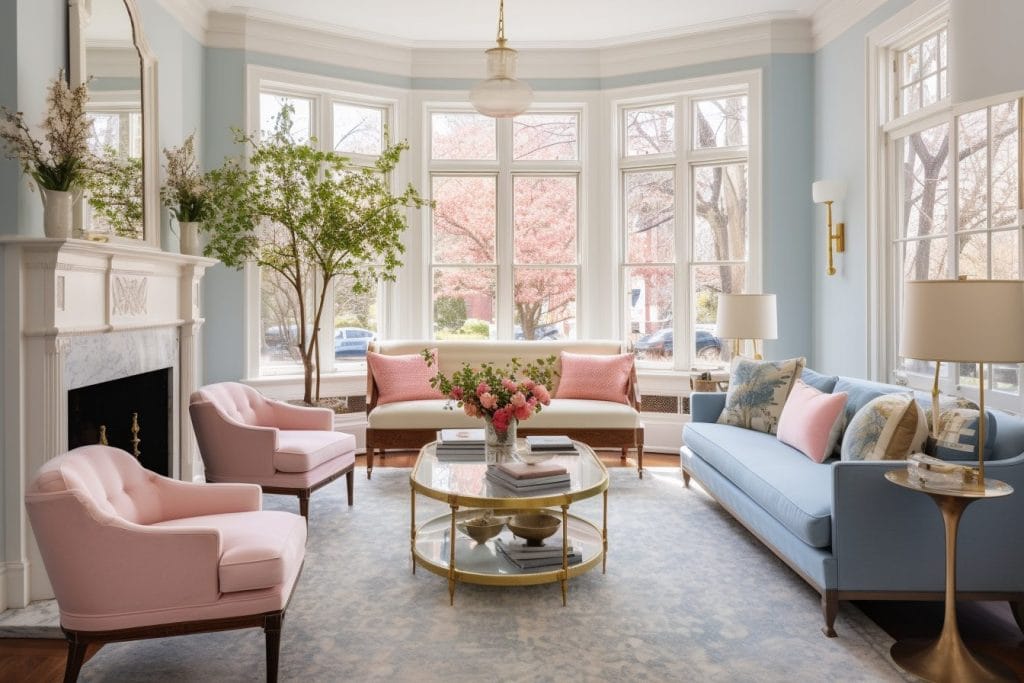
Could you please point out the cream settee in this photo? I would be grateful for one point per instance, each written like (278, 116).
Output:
(412, 424)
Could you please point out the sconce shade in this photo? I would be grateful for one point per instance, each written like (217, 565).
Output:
(963, 321)
(747, 316)
(828, 191)
(501, 95)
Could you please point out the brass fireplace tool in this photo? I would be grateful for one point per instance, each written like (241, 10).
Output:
(135, 436)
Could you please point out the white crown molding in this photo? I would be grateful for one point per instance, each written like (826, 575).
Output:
(191, 14)
(257, 33)
(833, 18)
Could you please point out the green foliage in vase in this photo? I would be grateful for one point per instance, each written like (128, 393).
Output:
(58, 161)
(308, 214)
(185, 192)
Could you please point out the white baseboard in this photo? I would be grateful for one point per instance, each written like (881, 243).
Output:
(13, 586)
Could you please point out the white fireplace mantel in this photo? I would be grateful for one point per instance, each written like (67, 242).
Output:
(66, 300)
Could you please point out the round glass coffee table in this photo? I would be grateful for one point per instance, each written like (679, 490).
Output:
(440, 548)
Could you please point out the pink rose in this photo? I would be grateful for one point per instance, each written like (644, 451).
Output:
(509, 384)
(456, 393)
(523, 412)
(470, 409)
(540, 392)
(518, 400)
(482, 388)
(528, 384)
(501, 419)
(488, 400)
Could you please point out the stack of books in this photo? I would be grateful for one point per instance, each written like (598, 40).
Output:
(528, 479)
(551, 445)
(533, 557)
(460, 444)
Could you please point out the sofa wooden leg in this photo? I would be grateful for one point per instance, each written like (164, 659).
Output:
(640, 460)
(369, 460)
(76, 656)
(1017, 608)
(304, 504)
(349, 481)
(625, 454)
(686, 479)
(830, 609)
(272, 628)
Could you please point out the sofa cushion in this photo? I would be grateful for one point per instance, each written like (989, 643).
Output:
(758, 391)
(258, 549)
(792, 488)
(567, 413)
(810, 420)
(890, 427)
(595, 377)
(302, 450)
(402, 378)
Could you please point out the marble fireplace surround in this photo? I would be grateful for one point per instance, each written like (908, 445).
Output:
(78, 313)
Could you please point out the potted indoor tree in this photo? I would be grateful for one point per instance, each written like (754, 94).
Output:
(57, 163)
(310, 216)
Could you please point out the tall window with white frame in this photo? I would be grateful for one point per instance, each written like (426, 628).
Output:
(355, 129)
(504, 231)
(684, 185)
(953, 197)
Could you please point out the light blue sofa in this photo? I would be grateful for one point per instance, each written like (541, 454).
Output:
(843, 527)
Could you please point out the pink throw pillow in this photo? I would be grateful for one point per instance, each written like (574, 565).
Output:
(595, 377)
(808, 420)
(403, 378)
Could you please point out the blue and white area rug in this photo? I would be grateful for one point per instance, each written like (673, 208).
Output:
(689, 596)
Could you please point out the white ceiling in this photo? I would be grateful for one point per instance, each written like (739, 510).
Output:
(527, 22)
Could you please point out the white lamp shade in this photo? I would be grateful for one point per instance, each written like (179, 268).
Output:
(963, 321)
(747, 316)
(502, 95)
(828, 191)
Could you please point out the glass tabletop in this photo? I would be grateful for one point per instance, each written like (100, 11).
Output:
(467, 479)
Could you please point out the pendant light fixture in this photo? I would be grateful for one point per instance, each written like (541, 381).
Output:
(502, 95)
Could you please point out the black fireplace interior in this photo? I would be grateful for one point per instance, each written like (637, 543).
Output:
(112, 404)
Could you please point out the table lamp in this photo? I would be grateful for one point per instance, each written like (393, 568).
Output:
(747, 316)
(964, 321)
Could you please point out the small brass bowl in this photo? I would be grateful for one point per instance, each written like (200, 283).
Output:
(482, 529)
(534, 527)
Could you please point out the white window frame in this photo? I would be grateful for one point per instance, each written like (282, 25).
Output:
(324, 92)
(684, 160)
(885, 129)
(504, 170)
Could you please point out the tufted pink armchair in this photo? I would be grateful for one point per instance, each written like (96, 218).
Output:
(133, 555)
(245, 437)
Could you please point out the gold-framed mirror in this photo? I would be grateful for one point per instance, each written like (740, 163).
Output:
(108, 48)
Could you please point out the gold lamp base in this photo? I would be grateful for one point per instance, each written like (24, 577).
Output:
(947, 659)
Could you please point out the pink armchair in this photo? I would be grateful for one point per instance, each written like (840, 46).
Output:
(134, 555)
(245, 437)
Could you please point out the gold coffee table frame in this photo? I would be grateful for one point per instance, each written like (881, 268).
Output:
(946, 659)
(470, 493)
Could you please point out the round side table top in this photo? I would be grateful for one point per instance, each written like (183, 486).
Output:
(993, 487)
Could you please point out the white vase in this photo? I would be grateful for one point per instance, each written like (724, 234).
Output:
(57, 214)
(189, 238)
(499, 446)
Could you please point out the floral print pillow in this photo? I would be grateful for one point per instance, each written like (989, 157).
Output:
(758, 390)
(889, 427)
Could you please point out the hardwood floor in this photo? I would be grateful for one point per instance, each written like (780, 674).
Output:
(988, 628)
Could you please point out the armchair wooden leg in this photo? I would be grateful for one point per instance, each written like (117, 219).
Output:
(304, 504)
(625, 453)
(640, 460)
(272, 627)
(76, 656)
(349, 481)
(830, 610)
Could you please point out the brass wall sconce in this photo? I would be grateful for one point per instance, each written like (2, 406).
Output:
(825, 192)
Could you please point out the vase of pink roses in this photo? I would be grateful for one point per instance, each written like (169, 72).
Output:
(502, 396)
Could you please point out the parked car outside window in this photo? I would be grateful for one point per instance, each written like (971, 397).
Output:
(658, 344)
(352, 342)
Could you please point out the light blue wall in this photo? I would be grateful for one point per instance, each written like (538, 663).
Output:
(9, 173)
(787, 172)
(840, 146)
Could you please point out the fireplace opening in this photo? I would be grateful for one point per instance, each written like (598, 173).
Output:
(132, 413)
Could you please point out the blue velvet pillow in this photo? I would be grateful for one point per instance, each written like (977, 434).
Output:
(823, 383)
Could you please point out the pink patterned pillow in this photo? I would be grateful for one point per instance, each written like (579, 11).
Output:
(403, 378)
(595, 377)
(809, 419)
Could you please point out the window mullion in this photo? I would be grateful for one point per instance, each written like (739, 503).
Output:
(504, 239)
(684, 316)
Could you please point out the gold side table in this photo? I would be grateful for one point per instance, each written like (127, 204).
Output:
(947, 658)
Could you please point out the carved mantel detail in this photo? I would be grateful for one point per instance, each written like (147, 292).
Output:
(129, 295)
